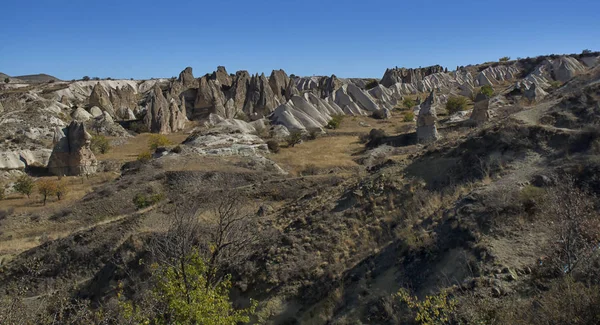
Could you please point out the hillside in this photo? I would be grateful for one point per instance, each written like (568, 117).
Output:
(425, 197)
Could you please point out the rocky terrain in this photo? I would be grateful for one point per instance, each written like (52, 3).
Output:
(347, 201)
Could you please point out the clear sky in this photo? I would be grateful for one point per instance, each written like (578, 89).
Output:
(143, 39)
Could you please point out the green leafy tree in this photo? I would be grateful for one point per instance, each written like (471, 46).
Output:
(6, 80)
(432, 310)
(456, 104)
(100, 144)
(46, 187)
(184, 296)
(335, 122)
(294, 138)
(24, 185)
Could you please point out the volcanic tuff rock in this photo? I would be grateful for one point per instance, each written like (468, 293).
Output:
(403, 75)
(239, 88)
(481, 112)
(222, 76)
(72, 155)
(21, 159)
(100, 98)
(122, 99)
(279, 81)
(164, 117)
(80, 114)
(260, 99)
(186, 78)
(426, 121)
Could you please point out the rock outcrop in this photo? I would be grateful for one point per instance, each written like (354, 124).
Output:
(122, 98)
(80, 114)
(403, 75)
(72, 155)
(481, 112)
(222, 76)
(186, 78)
(279, 82)
(101, 99)
(426, 121)
(260, 100)
(164, 117)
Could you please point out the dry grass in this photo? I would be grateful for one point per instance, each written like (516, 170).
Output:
(136, 145)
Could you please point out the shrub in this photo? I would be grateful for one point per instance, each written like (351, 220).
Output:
(158, 140)
(62, 189)
(188, 299)
(142, 200)
(241, 116)
(586, 51)
(363, 138)
(2, 192)
(504, 59)
(6, 80)
(372, 84)
(335, 122)
(433, 310)
(531, 198)
(144, 157)
(294, 138)
(177, 149)
(487, 90)
(139, 127)
(313, 134)
(96, 78)
(100, 144)
(456, 104)
(310, 169)
(409, 103)
(408, 117)
(85, 78)
(24, 185)
(378, 114)
(46, 187)
(273, 146)
(555, 84)
(375, 137)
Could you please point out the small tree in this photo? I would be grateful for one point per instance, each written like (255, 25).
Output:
(6, 80)
(62, 189)
(144, 157)
(456, 104)
(273, 146)
(487, 90)
(586, 51)
(85, 78)
(24, 185)
(157, 141)
(294, 138)
(100, 144)
(408, 117)
(505, 59)
(46, 187)
(335, 122)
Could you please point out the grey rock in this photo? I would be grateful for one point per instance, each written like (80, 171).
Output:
(72, 155)
(426, 121)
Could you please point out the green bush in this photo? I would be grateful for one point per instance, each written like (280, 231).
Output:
(6, 80)
(555, 84)
(408, 117)
(85, 78)
(335, 122)
(24, 185)
(188, 299)
(2, 191)
(432, 310)
(142, 200)
(144, 157)
(294, 138)
(456, 104)
(409, 103)
(487, 90)
(505, 59)
(100, 144)
(310, 169)
(139, 127)
(273, 146)
(157, 141)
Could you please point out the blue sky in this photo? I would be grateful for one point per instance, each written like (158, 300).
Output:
(143, 39)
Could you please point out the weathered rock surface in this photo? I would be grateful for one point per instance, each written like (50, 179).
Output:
(21, 159)
(403, 75)
(279, 82)
(481, 112)
(81, 115)
(260, 100)
(186, 78)
(426, 121)
(101, 99)
(164, 117)
(72, 155)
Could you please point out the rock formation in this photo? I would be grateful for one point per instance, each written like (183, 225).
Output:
(260, 99)
(80, 114)
(122, 99)
(239, 88)
(101, 99)
(186, 78)
(481, 112)
(426, 121)
(72, 155)
(95, 111)
(164, 117)
(279, 82)
(403, 75)
(222, 76)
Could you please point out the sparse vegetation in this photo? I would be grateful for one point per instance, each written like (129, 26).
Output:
(433, 310)
(335, 122)
(46, 187)
(100, 144)
(2, 191)
(24, 185)
(456, 104)
(273, 146)
(144, 200)
(487, 90)
(6, 80)
(139, 127)
(62, 189)
(555, 84)
(85, 78)
(144, 156)
(157, 141)
(409, 103)
(294, 138)
(371, 84)
(504, 59)
(408, 116)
